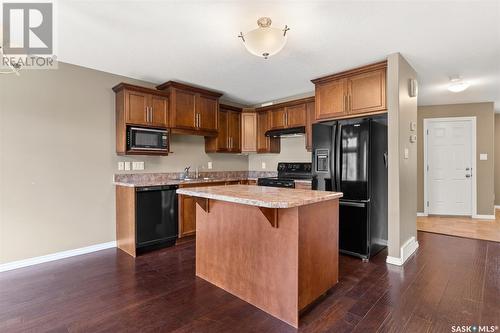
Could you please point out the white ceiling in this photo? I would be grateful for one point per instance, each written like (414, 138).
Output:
(196, 42)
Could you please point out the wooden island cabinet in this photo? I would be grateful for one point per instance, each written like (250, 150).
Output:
(274, 248)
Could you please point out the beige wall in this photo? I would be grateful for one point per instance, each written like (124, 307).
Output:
(292, 150)
(497, 159)
(402, 110)
(485, 131)
(57, 159)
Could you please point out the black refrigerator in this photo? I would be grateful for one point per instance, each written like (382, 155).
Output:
(350, 156)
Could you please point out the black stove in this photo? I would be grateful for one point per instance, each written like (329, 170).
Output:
(287, 174)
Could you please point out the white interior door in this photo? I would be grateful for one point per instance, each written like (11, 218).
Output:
(449, 167)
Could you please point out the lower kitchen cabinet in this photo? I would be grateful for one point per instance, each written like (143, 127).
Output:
(187, 208)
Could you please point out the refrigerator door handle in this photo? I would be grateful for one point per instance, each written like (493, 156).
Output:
(338, 156)
(386, 160)
(353, 204)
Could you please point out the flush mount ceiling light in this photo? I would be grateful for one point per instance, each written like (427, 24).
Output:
(457, 84)
(264, 41)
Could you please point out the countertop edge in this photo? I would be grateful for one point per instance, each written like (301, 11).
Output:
(256, 202)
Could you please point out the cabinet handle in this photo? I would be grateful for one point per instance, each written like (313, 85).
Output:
(349, 102)
(231, 140)
(345, 103)
(199, 120)
(284, 118)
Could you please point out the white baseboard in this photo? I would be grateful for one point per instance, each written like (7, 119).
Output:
(497, 207)
(406, 251)
(484, 217)
(421, 214)
(55, 256)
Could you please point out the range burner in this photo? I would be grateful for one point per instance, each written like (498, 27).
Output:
(287, 174)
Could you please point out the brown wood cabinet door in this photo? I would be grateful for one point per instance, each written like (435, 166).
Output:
(278, 118)
(249, 132)
(136, 106)
(184, 110)
(187, 216)
(262, 126)
(206, 107)
(223, 136)
(309, 122)
(331, 99)
(367, 92)
(266, 144)
(296, 115)
(159, 111)
(234, 132)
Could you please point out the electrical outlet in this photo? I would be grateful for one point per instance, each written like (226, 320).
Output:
(483, 157)
(121, 166)
(141, 166)
(413, 126)
(210, 165)
(127, 166)
(407, 153)
(263, 165)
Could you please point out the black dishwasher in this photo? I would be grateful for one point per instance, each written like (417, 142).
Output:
(156, 217)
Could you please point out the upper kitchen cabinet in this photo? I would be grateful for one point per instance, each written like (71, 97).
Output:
(351, 93)
(141, 110)
(287, 114)
(141, 106)
(309, 123)
(278, 118)
(367, 92)
(192, 110)
(228, 139)
(266, 144)
(248, 130)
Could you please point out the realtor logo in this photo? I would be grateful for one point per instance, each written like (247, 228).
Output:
(27, 28)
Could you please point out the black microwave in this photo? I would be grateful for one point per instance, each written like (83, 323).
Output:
(147, 139)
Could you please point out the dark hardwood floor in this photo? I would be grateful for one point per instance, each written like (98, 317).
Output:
(450, 281)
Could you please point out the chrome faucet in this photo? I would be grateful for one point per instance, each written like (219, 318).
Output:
(186, 172)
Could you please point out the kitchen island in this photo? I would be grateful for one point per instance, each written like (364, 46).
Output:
(275, 248)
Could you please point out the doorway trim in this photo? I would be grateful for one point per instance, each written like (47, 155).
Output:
(427, 121)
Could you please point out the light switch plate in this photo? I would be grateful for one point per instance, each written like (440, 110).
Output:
(121, 166)
(210, 165)
(413, 138)
(127, 165)
(483, 157)
(413, 126)
(263, 165)
(407, 153)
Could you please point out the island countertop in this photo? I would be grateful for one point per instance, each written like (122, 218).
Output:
(261, 196)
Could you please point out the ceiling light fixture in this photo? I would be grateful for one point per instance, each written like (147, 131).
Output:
(457, 84)
(264, 41)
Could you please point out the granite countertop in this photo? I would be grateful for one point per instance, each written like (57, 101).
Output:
(261, 196)
(161, 182)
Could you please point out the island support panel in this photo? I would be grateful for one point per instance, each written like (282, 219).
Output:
(279, 269)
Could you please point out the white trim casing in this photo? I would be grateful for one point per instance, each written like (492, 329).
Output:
(55, 256)
(483, 217)
(421, 214)
(406, 251)
(473, 153)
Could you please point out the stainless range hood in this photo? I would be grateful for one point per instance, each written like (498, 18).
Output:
(287, 132)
